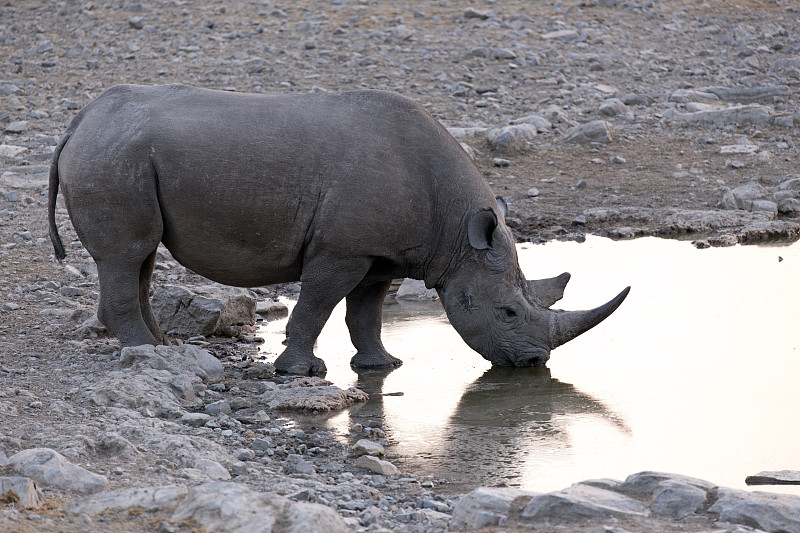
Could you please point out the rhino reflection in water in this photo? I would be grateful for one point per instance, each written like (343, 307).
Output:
(341, 191)
(505, 415)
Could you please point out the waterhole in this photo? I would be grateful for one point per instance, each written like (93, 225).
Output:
(697, 373)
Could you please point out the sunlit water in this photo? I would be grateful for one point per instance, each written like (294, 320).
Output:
(697, 373)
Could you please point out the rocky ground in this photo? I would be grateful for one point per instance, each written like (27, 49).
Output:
(620, 118)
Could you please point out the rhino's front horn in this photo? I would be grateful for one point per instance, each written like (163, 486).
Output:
(566, 325)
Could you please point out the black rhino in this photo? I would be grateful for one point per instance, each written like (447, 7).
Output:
(342, 191)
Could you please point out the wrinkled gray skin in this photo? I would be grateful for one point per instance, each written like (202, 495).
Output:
(343, 192)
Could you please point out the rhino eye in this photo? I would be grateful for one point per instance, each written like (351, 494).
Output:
(510, 313)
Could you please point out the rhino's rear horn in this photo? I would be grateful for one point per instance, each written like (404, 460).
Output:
(546, 292)
(566, 325)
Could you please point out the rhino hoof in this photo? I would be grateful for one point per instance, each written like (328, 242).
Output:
(374, 361)
(313, 366)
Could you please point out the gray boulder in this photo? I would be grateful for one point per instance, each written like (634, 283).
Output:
(645, 484)
(51, 469)
(187, 359)
(770, 512)
(210, 310)
(580, 502)
(486, 507)
(233, 507)
(678, 500)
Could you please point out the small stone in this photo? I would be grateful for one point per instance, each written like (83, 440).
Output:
(596, 131)
(16, 127)
(296, 464)
(500, 162)
(376, 465)
(503, 53)
(137, 23)
(195, 419)
(533, 192)
(244, 454)
(561, 35)
(472, 13)
(613, 107)
(262, 444)
(580, 185)
(213, 469)
(12, 196)
(218, 407)
(619, 160)
(368, 447)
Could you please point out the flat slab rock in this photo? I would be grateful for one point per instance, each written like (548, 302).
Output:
(312, 394)
(770, 477)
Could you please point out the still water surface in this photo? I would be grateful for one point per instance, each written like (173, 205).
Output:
(697, 373)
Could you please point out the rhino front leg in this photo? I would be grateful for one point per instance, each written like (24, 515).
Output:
(324, 283)
(364, 320)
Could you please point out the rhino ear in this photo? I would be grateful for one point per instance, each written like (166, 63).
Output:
(502, 205)
(480, 229)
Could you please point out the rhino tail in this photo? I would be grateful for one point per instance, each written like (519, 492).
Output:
(52, 194)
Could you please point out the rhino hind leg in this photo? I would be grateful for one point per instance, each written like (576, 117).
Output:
(325, 282)
(145, 277)
(364, 320)
(120, 308)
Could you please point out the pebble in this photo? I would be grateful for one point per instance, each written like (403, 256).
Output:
(533, 192)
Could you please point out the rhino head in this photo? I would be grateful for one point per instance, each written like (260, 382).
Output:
(500, 314)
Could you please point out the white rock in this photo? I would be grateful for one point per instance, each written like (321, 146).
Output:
(21, 489)
(312, 394)
(485, 507)
(378, 466)
(9, 150)
(561, 35)
(414, 289)
(51, 469)
(213, 469)
(368, 447)
(579, 502)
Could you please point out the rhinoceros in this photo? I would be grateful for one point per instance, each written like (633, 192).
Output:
(341, 191)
